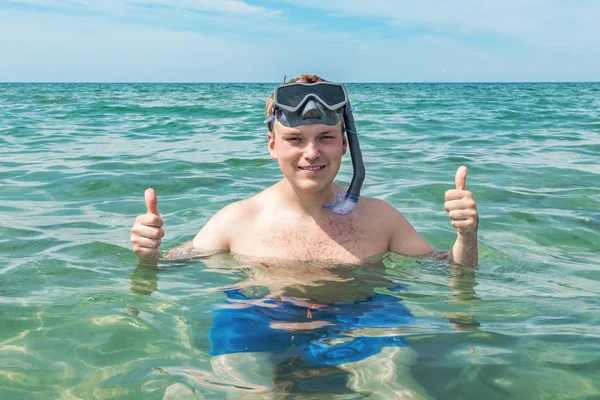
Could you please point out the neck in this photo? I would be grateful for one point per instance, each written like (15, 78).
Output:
(310, 203)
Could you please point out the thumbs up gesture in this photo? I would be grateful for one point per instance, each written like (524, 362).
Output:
(147, 231)
(461, 206)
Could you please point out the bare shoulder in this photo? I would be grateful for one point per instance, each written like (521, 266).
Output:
(403, 237)
(381, 210)
(217, 233)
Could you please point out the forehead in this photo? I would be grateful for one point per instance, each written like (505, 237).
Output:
(307, 129)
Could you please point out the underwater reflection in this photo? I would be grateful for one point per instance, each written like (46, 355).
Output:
(462, 280)
(144, 279)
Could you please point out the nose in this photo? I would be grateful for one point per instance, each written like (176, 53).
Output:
(311, 151)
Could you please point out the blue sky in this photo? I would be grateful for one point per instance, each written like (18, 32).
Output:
(263, 40)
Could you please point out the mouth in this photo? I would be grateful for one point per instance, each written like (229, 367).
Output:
(312, 168)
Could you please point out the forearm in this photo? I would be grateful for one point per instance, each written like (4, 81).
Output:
(182, 250)
(465, 251)
(187, 251)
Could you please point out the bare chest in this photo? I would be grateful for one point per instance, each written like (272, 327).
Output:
(342, 239)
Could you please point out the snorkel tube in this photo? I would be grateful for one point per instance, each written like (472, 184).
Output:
(346, 205)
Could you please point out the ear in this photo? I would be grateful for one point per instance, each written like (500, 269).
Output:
(272, 149)
(344, 143)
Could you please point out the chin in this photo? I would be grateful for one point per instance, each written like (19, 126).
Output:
(311, 187)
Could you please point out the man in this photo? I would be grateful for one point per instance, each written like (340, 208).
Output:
(303, 229)
(290, 220)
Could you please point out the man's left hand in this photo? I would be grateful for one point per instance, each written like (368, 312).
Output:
(461, 207)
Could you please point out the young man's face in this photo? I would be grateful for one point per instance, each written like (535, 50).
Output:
(310, 155)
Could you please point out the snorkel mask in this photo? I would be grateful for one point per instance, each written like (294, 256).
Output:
(325, 103)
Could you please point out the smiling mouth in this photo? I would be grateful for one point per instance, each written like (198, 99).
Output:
(312, 168)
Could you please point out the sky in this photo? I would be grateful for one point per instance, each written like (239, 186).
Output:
(265, 40)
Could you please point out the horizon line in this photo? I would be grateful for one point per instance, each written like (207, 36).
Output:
(279, 82)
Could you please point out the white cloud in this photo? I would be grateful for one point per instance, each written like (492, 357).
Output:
(62, 48)
(235, 7)
(538, 22)
(220, 6)
(193, 40)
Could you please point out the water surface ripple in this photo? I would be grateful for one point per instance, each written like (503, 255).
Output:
(79, 319)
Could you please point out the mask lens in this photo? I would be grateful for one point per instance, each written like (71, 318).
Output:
(292, 95)
(330, 94)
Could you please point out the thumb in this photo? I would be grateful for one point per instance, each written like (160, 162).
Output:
(461, 178)
(151, 201)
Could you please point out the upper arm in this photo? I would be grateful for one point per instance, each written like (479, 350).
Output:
(216, 234)
(404, 239)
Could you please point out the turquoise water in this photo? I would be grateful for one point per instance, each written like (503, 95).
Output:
(80, 319)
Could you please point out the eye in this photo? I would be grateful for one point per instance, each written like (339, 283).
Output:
(293, 139)
(327, 137)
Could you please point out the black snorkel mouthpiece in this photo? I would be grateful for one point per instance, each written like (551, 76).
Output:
(326, 103)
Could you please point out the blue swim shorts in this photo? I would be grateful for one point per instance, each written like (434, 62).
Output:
(239, 327)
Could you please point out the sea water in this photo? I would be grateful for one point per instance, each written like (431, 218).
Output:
(79, 318)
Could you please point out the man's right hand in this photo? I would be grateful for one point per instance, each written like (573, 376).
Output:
(147, 231)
